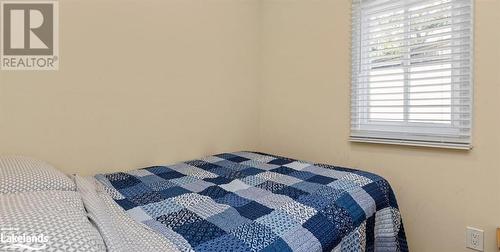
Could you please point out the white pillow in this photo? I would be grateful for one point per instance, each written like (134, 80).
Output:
(23, 174)
(46, 221)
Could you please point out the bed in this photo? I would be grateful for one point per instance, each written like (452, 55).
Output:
(242, 201)
(247, 201)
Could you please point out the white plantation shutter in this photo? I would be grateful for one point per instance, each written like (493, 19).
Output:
(412, 72)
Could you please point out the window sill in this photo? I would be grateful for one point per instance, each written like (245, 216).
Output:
(457, 146)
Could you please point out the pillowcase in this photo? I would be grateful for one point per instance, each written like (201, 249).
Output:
(23, 174)
(46, 221)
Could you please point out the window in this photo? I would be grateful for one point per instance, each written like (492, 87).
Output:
(412, 72)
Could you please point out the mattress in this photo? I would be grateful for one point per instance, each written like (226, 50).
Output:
(249, 201)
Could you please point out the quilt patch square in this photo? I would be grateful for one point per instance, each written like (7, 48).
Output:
(214, 192)
(260, 165)
(285, 179)
(157, 169)
(183, 180)
(274, 201)
(178, 219)
(307, 186)
(169, 234)
(321, 179)
(147, 198)
(365, 201)
(301, 240)
(229, 220)
(218, 180)
(329, 193)
(281, 161)
(253, 210)
(232, 165)
(339, 217)
(290, 192)
(122, 180)
(181, 167)
(150, 179)
(255, 235)
(135, 190)
(345, 185)
(283, 170)
(250, 171)
(278, 221)
(140, 173)
(351, 206)
(325, 172)
(377, 195)
(315, 201)
(277, 245)
(173, 192)
(299, 212)
(303, 175)
(257, 157)
(197, 186)
(253, 193)
(211, 159)
(207, 166)
(271, 186)
(226, 156)
(234, 175)
(224, 243)
(170, 175)
(190, 199)
(207, 208)
(253, 180)
(238, 159)
(199, 232)
(222, 171)
(198, 173)
(161, 185)
(194, 162)
(233, 200)
(357, 179)
(323, 230)
(163, 207)
(272, 176)
(299, 166)
(279, 178)
(235, 185)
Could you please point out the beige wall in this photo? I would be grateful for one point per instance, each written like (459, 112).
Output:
(305, 114)
(176, 79)
(140, 82)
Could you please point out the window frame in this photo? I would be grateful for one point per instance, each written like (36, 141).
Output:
(415, 128)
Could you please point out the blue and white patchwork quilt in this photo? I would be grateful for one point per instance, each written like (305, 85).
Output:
(248, 201)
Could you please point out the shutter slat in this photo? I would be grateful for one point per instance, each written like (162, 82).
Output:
(454, 84)
(418, 21)
(420, 79)
(442, 9)
(398, 5)
(423, 113)
(463, 38)
(396, 37)
(396, 32)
